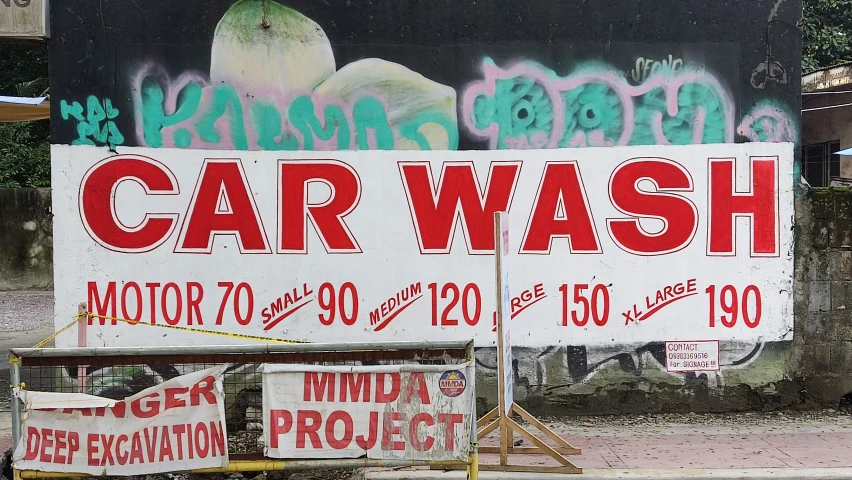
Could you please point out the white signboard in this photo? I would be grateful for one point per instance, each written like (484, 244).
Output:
(504, 327)
(177, 425)
(609, 245)
(411, 412)
(693, 356)
(24, 19)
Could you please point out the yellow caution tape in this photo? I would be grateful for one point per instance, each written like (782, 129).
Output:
(80, 316)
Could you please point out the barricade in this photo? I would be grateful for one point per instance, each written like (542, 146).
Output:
(118, 373)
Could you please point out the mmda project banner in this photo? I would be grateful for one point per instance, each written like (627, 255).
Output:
(608, 245)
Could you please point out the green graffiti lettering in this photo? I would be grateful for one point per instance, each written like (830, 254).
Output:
(224, 96)
(89, 128)
(369, 113)
(154, 116)
(303, 118)
(267, 124)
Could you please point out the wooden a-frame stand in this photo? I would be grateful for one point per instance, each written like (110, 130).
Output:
(501, 417)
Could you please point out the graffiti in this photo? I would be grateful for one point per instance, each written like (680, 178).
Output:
(291, 96)
(770, 70)
(570, 369)
(647, 66)
(95, 125)
(530, 106)
(769, 122)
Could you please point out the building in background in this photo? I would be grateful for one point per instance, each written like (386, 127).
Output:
(827, 125)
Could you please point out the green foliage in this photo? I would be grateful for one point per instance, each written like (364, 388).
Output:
(24, 146)
(827, 31)
(24, 154)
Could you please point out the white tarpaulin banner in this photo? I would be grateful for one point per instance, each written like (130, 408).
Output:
(610, 246)
(177, 425)
(411, 412)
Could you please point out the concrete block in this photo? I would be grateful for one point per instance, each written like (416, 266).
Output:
(841, 295)
(839, 264)
(818, 265)
(819, 299)
(814, 324)
(820, 235)
(816, 357)
(841, 357)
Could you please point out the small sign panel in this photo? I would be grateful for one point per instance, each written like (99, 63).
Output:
(692, 356)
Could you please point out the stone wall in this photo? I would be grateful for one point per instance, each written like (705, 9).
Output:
(26, 241)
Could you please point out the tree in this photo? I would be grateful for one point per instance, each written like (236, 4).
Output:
(24, 146)
(827, 33)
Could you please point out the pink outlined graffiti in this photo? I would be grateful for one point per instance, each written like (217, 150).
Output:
(679, 110)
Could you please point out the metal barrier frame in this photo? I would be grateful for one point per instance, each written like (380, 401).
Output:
(318, 351)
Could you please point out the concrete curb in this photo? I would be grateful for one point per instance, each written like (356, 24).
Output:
(593, 474)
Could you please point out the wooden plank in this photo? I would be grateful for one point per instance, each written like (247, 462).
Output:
(487, 417)
(543, 429)
(540, 444)
(490, 428)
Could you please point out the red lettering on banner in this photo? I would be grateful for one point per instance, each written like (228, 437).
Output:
(381, 383)
(366, 443)
(203, 388)
(391, 428)
(172, 400)
(303, 429)
(413, 428)
(136, 449)
(97, 203)
(322, 389)
(450, 420)
(166, 446)
(46, 443)
(435, 211)
(151, 442)
(121, 457)
(561, 210)
(759, 204)
(91, 439)
(217, 440)
(354, 385)
(348, 430)
(202, 440)
(281, 421)
(50, 445)
(295, 179)
(222, 204)
(61, 444)
(179, 431)
(678, 214)
(152, 408)
(417, 383)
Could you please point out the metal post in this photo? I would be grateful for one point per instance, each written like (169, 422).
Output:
(15, 376)
(473, 466)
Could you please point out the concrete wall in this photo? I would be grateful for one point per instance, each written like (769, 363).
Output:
(26, 242)
(454, 75)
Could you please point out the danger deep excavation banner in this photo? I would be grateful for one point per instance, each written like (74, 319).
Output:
(412, 412)
(175, 426)
(606, 245)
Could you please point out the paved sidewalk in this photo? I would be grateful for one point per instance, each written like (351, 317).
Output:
(765, 445)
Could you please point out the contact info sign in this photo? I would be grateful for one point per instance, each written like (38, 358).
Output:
(692, 356)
